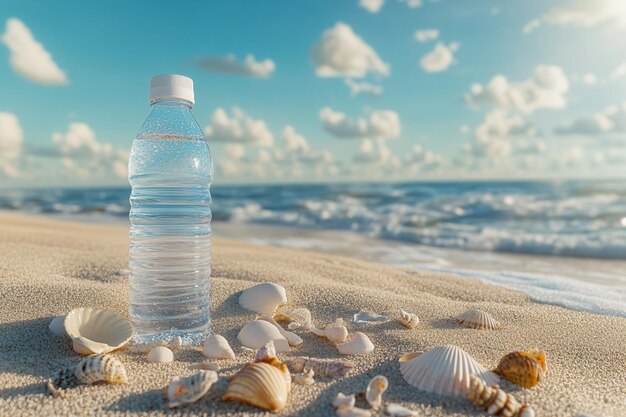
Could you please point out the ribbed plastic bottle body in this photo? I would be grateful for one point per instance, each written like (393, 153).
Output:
(170, 172)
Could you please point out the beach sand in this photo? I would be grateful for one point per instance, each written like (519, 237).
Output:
(48, 267)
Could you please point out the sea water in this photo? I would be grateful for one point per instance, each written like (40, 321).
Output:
(170, 247)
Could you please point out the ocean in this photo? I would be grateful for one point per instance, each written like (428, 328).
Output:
(560, 242)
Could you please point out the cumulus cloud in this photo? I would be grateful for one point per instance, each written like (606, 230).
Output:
(425, 35)
(229, 65)
(372, 6)
(423, 160)
(545, 90)
(376, 152)
(583, 13)
(238, 128)
(357, 88)
(342, 53)
(28, 57)
(440, 58)
(610, 120)
(491, 137)
(11, 139)
(294, 141)
(380, 124)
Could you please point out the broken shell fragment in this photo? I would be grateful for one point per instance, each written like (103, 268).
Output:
(375, 389)
(396, 410)
(495, 401)
(305, 378)
(292, 338)
(188, 390)
(478, 319)
(357, 344)
(336, 332)
(96, 331)
(217, 347)
(300, 318)
(364, 317)
(323, 368)
(408, 320)
(160, 354)
(257, 333)
(525, 369)
(344, 401)
(57, 326)
(263, 298)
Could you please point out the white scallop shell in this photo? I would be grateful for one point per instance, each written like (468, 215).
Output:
(444, 370)
(336, 332)
(375, 389)
(57, 326)
(364, 317)
(217, 347)
(257, 333)
(160, 354)
(396, 410)
(478, 319)
(97, 331)
(357, 344)
(263, 298)
(188, 390)
(292, 338)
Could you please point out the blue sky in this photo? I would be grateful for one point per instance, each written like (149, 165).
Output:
(549, 104)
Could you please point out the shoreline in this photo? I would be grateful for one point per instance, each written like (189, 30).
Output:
(50, 266)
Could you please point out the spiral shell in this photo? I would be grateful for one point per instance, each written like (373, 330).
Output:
(495, 401)
(188, 390)
(375, 389)
(92, 369)
(525, 369)
(408, 320)
(478, 319)
(63, 379)
(322, 368)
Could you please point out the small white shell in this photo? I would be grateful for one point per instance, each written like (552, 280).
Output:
(217, 347)
(375, 389)
(353, 412)
(263, 298)
(444, 370)
(305, 378)
(364, 317)
(478, 319)
(57, 326)
(97, 331)
(160, 354)
(257, 333)
(336, 332)
(188, 390)
(292, 338)
(357, 344)
(396, 410)
(344, 401)
(408, 320)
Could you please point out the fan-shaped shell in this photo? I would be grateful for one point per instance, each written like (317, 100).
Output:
(262, 385)
(97, 331)
(257, 333)
(217, 347)
(444, 370)
(263, 298)
(160, 354)
(357, 344)
(188, 390)
(525, 369)
(478, 319)
(101, 368)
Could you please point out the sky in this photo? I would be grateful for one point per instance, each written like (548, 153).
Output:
(325, 90)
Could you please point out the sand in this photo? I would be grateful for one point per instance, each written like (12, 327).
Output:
(48, 267)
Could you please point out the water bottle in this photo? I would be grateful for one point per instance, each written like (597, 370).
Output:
(170, 172)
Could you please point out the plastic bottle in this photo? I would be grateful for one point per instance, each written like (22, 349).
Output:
(170, 172)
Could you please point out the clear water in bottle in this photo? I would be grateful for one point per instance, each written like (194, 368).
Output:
(170, 172)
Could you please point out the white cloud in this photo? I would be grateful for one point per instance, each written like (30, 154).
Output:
(342, 53)
(229, 65)
(80, 141)
(619, 72)
(238, 128)
(531, 26)
(583, 13)
(372, 6)
(28, 57)
(234, 151)
(545, 90)
(412, 4)
(363, 88)
(381, 124)
(425, 35)
(376, 152)
(11, 139)
(423, 160)
(440, 58)
(491, 137)
(294, 141)
(610, 120)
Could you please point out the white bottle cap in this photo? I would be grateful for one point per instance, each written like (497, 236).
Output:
(171, 86)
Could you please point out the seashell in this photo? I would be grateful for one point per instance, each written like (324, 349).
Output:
(160, 354)
(396, 410)
(257, 333)
(261, 384)
(63, 379)
(175, 343)
(408, 320)
(188, 390)
(207, 366)
(375, 389)
(344, 401)
(495, 401)
(292, 338)
(101, 368)
(267, 353)
(322, 368)
(525, 369)
(368, 317)
(336, 332)
(478, 319)
(263, 298)
(217, 347)
(305, 378)
(57, 326)
(300, 318)
(443, 370)
(97, 331)
(357, 344)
